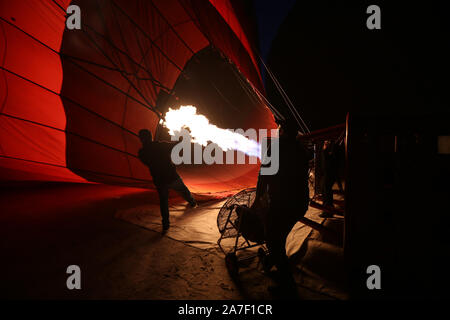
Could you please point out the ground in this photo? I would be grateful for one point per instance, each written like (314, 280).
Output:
(46, 228)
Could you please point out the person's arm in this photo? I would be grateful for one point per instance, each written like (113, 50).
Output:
(168, 146)
(261, 187)
(141, 155)
(263, 180)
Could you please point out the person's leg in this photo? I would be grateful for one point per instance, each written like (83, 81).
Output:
(277, 230)
(327, 196)
(179, 186)
(163, 192)
(339, 183)
(328, 191)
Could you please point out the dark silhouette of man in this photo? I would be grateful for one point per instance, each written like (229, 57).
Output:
(288, 199)
(329, 166)
(156, 156)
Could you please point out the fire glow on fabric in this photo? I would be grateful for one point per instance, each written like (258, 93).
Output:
(201, 131)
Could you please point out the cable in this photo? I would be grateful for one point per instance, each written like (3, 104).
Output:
(77, 169)
(4, 76)
(147, 36)
(116, 68)
(79, 66)
(171, 27)
(55, 2)
(68, 132)
(128, 80)
(70, 100)
(235, 69)
(286, 98)
(261, 97)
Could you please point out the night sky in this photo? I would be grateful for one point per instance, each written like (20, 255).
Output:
(330, 63)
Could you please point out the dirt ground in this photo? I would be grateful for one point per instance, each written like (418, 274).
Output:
(46, 228)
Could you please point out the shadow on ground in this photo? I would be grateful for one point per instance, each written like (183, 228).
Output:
(46, 228)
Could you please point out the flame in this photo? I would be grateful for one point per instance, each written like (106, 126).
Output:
(202, 131)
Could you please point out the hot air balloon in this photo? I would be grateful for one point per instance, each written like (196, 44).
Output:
(72, 101)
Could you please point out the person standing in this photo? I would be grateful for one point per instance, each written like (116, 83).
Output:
(288, 200)
(329, 168)
(156, 156)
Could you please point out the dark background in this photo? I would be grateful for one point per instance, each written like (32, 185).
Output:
(394, 85)
(330, 63)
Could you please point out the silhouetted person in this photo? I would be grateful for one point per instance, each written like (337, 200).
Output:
(156, 156)
(287, 195)
(329, 168)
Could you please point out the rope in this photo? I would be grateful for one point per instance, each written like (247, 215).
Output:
(123, 74)
(68, 132)
(70, 100)
(55, 2)
(116, 68)
(248, 86)
(286, 98)
(125, 77)
(171, 27)
(234, 68)
(147, 36)
(81, 170)
(79, 66)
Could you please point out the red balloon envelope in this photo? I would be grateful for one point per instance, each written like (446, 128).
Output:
(72, 101)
